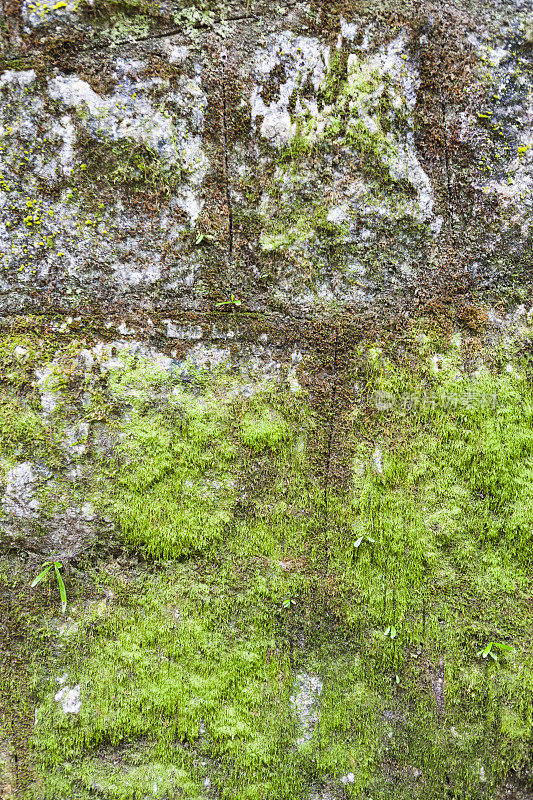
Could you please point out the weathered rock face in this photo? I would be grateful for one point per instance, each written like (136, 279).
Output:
(264, 305)
(305, 160)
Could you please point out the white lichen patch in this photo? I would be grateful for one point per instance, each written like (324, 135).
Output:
(119, 116)
(305, 704)
(177, 53)
(377, 458)
(76, 439)
(371, 113)
(305, 60)
(69, 699)
(40, 235)
(17, 79)
(20, 485)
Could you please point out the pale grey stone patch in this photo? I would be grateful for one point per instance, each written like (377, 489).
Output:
(207, 357)
(126, 274)
(305, 704)
(69, 699)
(19, 497)
(46, 381)
(181, 332)
(88, 512)
(76, 438)
(20, 79)
(378, 460)
(177, 53)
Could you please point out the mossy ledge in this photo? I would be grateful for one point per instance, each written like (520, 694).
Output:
(240, 645)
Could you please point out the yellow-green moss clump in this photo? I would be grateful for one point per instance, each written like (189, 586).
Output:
(180, 691)
(383, 595)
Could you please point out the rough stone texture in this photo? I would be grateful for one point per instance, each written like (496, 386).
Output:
(250, 193)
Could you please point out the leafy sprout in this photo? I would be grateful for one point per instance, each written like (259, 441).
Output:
(204, 237)
(57, 565)
(233, 302)
(488, 650)
(362, 539)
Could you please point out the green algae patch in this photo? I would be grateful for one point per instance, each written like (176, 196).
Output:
(263, 429)
(171, 690)
(434, 563)
(172, 478)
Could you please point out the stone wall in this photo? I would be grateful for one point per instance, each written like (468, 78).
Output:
(265, 324)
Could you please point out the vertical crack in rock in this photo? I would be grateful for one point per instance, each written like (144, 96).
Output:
(305, 703)
(226, 158)
(331, 424)
(438, 688)
(448, 176)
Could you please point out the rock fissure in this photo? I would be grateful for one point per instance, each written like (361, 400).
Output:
(226, 160)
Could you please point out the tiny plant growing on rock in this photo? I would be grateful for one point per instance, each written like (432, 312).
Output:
(488, 650)
(42, 575)
(361, 540)
(235, 302)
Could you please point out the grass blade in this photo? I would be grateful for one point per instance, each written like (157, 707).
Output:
(62, 590)
(41, 576)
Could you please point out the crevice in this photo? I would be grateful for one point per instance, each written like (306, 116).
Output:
(174, 31)
(226, 161)
(448, 175)
(331, 424)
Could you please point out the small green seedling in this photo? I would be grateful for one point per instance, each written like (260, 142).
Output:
(390, 632)
(487, 651)
(288, 602)
(42, 575)
(203, 237)
(364, 538)
(233, 302)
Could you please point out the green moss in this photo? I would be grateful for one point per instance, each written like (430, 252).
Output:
(174, 486)
(187, 670)
(440, 509)
(18, 359)
(262, 430)
(158, 675)
(20, 430)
